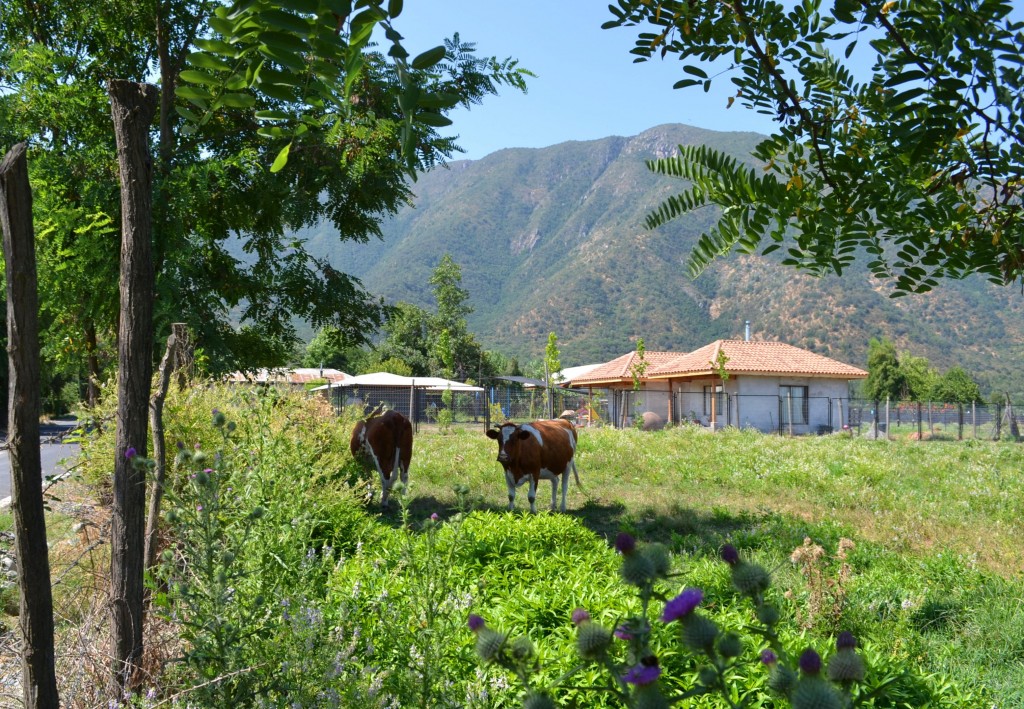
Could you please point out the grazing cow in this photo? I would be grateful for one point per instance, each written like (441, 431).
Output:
(535, 451)
(385, 440)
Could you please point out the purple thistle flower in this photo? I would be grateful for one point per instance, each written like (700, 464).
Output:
(180, 445)
(434, 517)
(810, 662)
(580, 616)
(682, 605)
(475, 622)
(846, 641)
(623, 632)
(199, 508)
(625, 543)
(730, 555)
(768, 657)
(642, 674)
(130, 453)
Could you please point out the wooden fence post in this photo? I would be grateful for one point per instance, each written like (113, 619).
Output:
(35, 622)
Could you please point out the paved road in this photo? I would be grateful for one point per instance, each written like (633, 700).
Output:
(55, 457)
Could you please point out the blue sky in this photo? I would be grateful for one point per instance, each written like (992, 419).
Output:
(587, 85)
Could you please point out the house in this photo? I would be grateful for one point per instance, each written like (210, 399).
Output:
(770, 386)
(416, 398)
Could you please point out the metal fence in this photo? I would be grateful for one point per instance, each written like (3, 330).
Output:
(936, 420)
(495, 404)
(823, 415)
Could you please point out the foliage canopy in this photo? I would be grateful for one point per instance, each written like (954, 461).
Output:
(916, 161)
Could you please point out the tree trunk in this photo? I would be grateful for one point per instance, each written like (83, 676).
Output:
(38, 679)
(156, 422)
(132, 107)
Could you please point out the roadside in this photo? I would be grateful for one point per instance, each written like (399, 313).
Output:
(56, 456)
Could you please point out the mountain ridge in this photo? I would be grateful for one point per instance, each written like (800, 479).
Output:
(552, 240)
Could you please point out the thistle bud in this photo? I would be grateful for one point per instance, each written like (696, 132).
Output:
(257, 512)
(781, 679)
(538, 700)
(649, 696)
(592, 641)
(658, 555)
(636, 569)
(707, 677)
(522, 649)
(750, 579)
(730, 645)
(699, 633)
(489, 644)
(767, 614)
(199, 457)
(227, 558)
(815, 693)
(219, 419)
(846, 666)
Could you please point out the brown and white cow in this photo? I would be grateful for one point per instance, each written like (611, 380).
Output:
(531, 452)
(386, 441)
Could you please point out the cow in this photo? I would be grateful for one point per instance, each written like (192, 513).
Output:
(540, 450)
(386, 441)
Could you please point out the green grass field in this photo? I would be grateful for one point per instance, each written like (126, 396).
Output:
(937, 524)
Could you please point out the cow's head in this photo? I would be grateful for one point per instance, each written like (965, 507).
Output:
(358, 437)
(507, 435)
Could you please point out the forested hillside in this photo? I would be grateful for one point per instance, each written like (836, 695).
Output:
(553, 240)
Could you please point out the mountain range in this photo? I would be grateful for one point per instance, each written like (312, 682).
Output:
(552, 240)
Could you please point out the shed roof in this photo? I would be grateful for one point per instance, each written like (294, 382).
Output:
(387, 379)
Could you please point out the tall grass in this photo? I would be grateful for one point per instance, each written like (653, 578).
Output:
(335, 603)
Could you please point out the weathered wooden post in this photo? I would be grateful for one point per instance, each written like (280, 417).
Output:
(35, 621)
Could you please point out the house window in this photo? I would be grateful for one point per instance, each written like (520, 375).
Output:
(800, 407)
(719, 403)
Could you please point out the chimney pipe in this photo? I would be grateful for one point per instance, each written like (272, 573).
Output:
(746, 331)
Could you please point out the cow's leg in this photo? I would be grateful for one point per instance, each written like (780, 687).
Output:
(400, 471)
(533, 494)
(385, 488)
(565, 488)
(511, 490)
(554, 492)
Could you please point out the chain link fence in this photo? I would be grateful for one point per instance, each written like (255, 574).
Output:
(489, 405)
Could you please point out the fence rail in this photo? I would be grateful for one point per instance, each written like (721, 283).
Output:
(621, 409)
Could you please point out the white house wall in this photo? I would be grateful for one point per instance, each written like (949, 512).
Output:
(753, 402)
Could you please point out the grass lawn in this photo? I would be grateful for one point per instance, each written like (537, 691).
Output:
(937, 524)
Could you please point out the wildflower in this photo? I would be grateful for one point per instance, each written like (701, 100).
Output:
(624, 543)
(644, 673)
(434, 517)
(846, 641)
(623, 632)
(810, 662)
(768, 657)
(580, 616)
(592, 641)
(730, 555)
(475, 622)
(682, 605)
(130, 453)
(219, 419)
(199, 508)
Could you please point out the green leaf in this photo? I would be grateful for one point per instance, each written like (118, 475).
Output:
(192, 93)
(695, 71)
(430, 118)
(286, 21)
(204, 60)
(394, 8)
(217, 46)
(197, 77)
(282, 159)
(285, 42)
(238, 100)
(428, 58)
(272, 115)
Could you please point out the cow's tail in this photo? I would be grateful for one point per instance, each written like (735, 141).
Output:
(576, 474)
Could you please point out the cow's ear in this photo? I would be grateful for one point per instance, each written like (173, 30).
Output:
(523, 434)
(492, 433)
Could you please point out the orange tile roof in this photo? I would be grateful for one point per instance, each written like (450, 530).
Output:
(618, 370)
(755, 358)
(766, 358)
